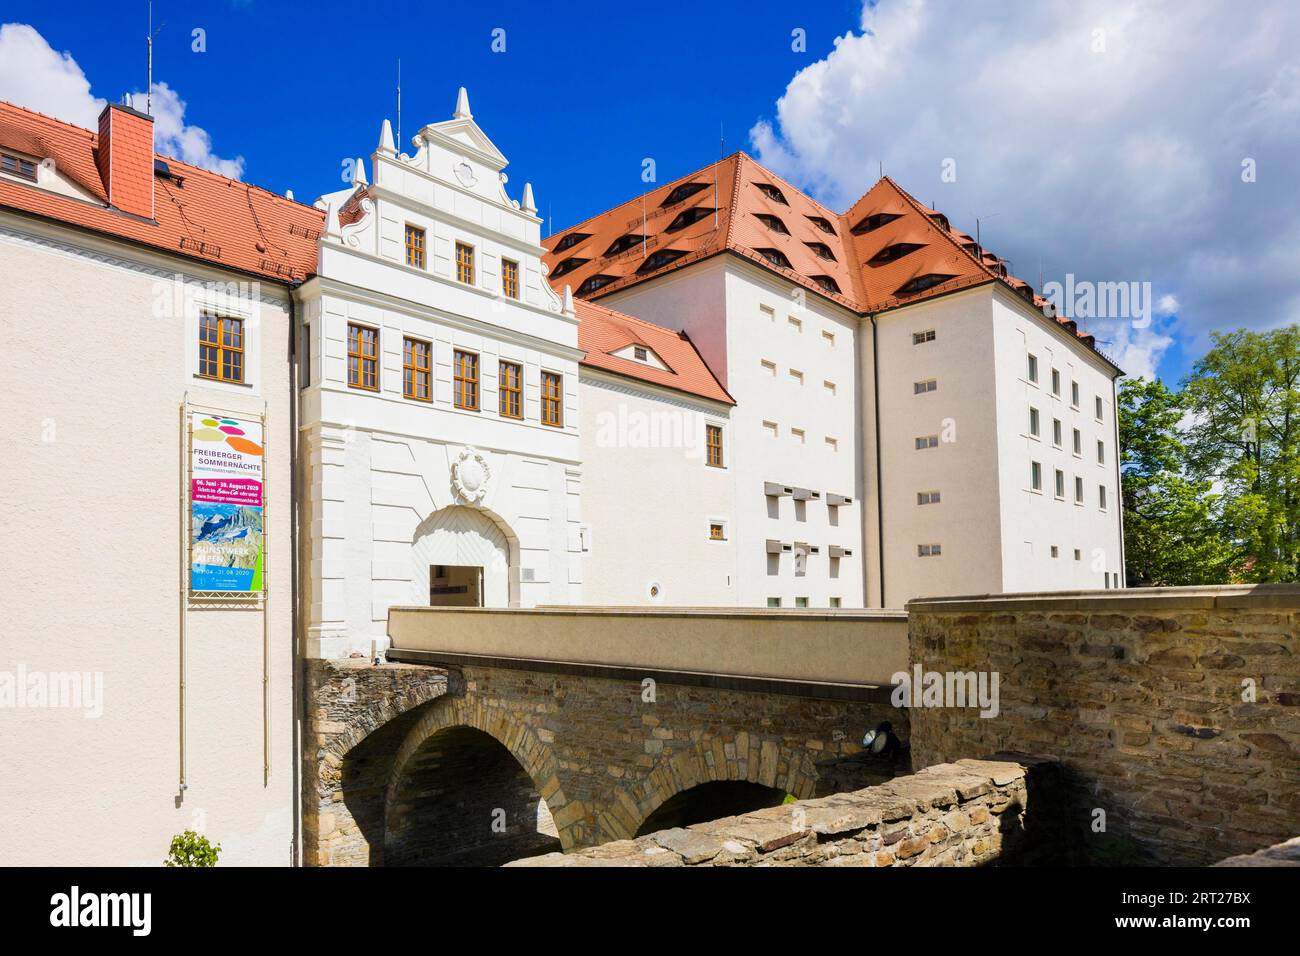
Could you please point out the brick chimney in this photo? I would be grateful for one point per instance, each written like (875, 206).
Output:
(125, 159)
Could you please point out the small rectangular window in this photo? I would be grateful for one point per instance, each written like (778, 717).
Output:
(797, 434)
(801, 602)
(415, 246)
(1078, 442)
(510, 278)
(1056, 552)
(929, 550)
(1097, 407)
(832, 443)
(510, 390)
(796, 324)
(1056, 382)
(417, 369)
(713, 444)
(929, 385)
(1074, 394)
(829, 338)
(835, 602)
(363, 357)
(1101, 452)
(796, 376)
(1056, 432)
(767, 312)
(927, 497)
(465, 369)
(1101, 497)
(552, 399)
(771, 428)
(1035, 476)
(17, 166)
(1060, 484)
(221, 349)
(1033, 368)
(1033, 421)
(465, 263)
(927, 441)
(1078, 491)
(1078, 555)
(717, 531)
(773, 602)
(768, 367)
(920, 338)
(640, 354)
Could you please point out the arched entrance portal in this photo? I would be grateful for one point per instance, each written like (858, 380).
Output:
(711, 801)
(464, 800)
(464, 557)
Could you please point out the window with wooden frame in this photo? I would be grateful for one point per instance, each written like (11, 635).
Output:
(510, 390)
(466, 380)
(510, 278)
(415, 246)
(363, 357)
(713, 445)
(552, 399)
(17, 166)
(221, 349)
(417, 369)
(465, 263)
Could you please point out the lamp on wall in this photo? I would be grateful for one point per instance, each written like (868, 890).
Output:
(882, 742)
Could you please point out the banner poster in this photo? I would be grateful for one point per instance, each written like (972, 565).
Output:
(226, 505)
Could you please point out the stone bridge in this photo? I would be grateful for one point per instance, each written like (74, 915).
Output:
(492, 735)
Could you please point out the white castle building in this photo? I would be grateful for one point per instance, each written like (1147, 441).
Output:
(791, 408)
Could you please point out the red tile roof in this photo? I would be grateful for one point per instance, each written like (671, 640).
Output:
(198, 214)
(602, 331)
(741, 207)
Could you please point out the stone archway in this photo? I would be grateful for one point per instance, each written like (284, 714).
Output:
(738, 758)
(461, 536)
(471, 784)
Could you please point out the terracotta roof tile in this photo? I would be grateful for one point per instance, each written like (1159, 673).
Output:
(860, 275)
(602, 331)
(203, 216)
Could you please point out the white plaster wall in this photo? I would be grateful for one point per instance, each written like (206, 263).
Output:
(963, 468)
(91, 526)
(1033, 522)
(649, 497)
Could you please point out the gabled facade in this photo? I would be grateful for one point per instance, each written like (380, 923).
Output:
(439, 408)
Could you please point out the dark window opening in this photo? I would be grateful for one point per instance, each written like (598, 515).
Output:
(921, 283)
(682, 192)
(823, 224)
(567, 266)
(594, 283)
(874, 222)
(821, 250)
(571, 240)
(774, 256)
(772, 222)
(893, 253)
(772, 193)
(689, 216)
(660, 259)
(827, 283)
(624, 243)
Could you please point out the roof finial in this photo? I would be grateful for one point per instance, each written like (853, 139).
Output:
(529, 205)
(462, 106)
(288, 194)
(332, 229)
(386, 145)
(359, 173)
(568, 299)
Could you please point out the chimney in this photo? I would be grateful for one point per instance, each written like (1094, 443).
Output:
(125, 159)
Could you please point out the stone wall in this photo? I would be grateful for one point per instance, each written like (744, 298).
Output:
(1175, 712)
(1001, 811)
(398, 757)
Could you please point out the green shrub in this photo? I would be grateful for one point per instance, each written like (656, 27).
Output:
(192, 849)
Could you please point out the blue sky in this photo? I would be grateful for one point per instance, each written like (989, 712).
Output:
(1102, 138)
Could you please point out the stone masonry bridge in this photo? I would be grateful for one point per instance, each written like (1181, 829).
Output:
(492, 735)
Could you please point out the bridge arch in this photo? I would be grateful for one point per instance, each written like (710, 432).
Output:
(469, 775)
(739, 758)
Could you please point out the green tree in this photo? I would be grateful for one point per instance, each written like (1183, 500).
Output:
(1244, 398)
(1171, 531)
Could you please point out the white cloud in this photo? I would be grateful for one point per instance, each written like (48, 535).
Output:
(1118, 164)
(35, 76)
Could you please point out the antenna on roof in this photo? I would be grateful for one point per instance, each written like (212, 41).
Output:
(399, 105)
(148, 89)
(978, 244)
(722, 152)
(643, 224)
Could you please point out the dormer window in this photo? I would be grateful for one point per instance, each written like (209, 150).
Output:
(772, 193)
(568, 265)
(689, 216)
(874, 222)
(640, 354)
(772, 222)
(774, 256)
(821, 250)
(17, 166)
(594, 283)
(827, 283)
(942, 221)
(571, 240)
(892, 253)
(823, 224)
(660, 259)
(624, 243)
(921, 283)
(683, 192)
